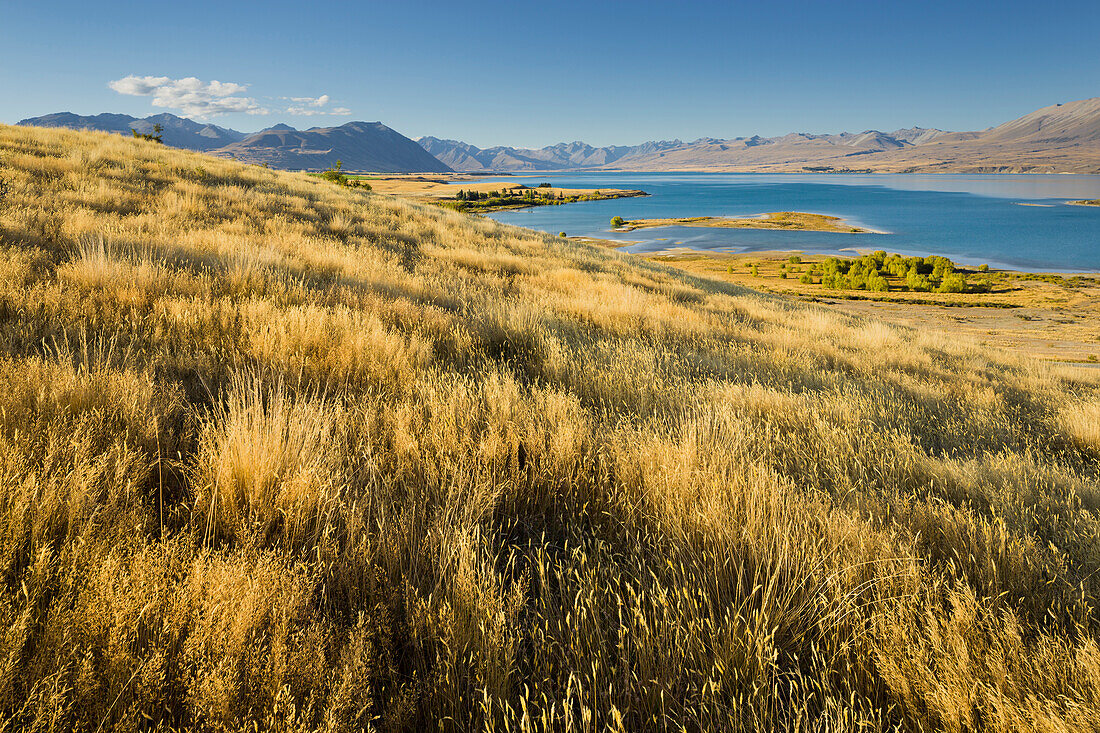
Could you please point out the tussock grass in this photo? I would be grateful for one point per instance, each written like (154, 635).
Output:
(276, 454)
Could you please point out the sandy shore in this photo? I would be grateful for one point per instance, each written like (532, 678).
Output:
(780, 220)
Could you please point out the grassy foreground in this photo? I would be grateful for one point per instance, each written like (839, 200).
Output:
(279, 455)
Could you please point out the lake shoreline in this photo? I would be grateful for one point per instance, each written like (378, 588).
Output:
(971, 219)
(463, 193)
(791, 221)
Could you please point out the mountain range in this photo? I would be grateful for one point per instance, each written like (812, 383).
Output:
(179, 132)
(1059, 138)
(360, 146)
(1062, 138)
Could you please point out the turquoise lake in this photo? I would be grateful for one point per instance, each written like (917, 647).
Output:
(1012, 221)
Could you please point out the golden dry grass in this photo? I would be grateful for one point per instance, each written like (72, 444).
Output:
(278, 455)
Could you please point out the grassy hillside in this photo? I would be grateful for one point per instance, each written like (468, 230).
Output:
(276, 454)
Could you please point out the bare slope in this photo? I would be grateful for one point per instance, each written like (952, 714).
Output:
(279, 455)
(1075, 122)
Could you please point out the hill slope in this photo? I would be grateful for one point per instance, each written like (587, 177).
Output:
(1059, 123)
(281, 455)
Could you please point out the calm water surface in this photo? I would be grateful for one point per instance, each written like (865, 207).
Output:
(972, 219)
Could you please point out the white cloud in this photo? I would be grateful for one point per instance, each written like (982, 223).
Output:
(192, 96)
(311, 106)
(197, 98)
(320, 101)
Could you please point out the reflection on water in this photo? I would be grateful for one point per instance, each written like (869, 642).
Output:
(971, 218)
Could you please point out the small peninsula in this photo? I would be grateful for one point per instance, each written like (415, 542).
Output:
(1092, 202)
(465, 193)
(783, 220)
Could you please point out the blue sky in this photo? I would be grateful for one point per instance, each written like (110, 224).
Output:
(535, 73)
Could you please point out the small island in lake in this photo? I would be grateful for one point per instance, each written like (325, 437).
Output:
(1093, 202)
(785, 220)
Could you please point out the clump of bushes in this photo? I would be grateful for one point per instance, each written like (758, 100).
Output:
(918, 274)
(914, 280)
(153, 137)
(513, 198)
(336, 175)
(617, 221)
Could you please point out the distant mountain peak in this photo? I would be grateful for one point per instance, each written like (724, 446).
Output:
(359, 146)
(179, 132)
(1061, 137)
(368, 146)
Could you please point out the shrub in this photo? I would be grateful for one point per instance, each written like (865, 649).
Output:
(755, 270)
(617, 221)
(983, 268)
(953, 282)
(561, 234)
(917, 282)
(154, 136)
(794, 259)
(806, 279)
(877, 283)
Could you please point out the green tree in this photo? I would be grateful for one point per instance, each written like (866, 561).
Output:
(916, 281)
(617, 221)
(154, 136)
(877, 283)
(953, 282)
